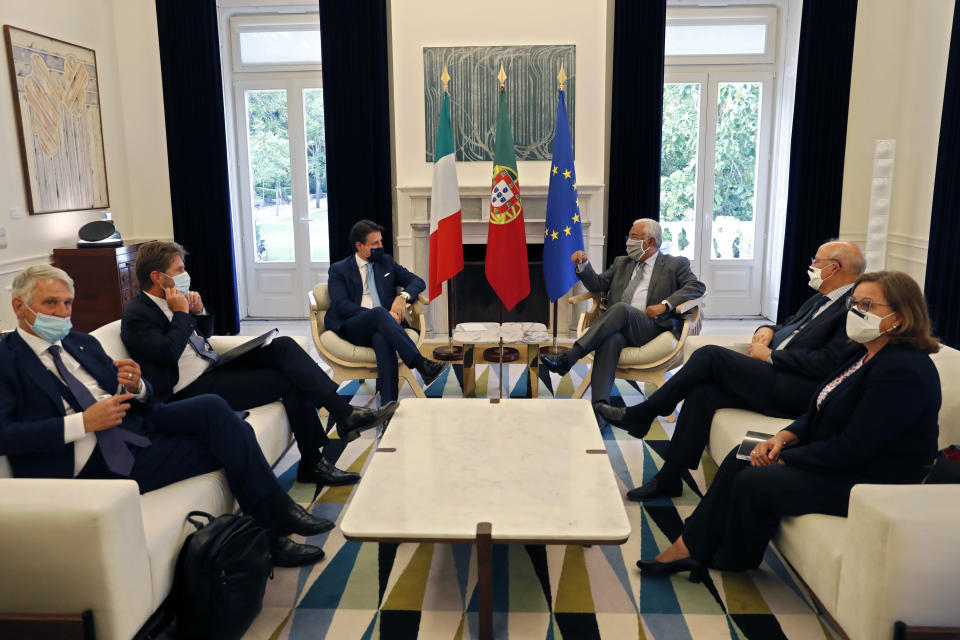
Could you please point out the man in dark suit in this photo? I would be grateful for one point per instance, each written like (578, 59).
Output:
(165, 329)
(68, 411)
(645, 288)
(786, 363)
(373, 316)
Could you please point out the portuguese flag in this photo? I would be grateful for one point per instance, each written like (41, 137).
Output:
(506, 263)
(446, 236)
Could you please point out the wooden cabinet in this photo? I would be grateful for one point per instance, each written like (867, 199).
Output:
(105, 281)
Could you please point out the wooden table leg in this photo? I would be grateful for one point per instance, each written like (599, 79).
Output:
(485, 579)
(469, 371)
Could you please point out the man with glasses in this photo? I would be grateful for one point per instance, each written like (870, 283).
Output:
(645, 287)
(784, 365)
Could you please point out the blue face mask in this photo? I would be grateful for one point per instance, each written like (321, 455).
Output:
(376, 255)
(51, 328)
(181, 282)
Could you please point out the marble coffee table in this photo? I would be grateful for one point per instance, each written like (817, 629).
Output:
(528, 335)
(514, 471)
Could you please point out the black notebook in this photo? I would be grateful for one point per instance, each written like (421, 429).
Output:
(750, 442)
(245, 349)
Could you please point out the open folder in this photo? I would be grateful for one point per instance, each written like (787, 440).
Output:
(245, 349)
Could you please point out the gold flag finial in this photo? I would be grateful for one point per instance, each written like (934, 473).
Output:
(502, 76)
(561, 77)
(445, 78)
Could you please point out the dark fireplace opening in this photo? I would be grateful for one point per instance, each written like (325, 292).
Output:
(476, 301)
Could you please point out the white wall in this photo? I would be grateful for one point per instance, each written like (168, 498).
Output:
(896, 92)
(133, 131)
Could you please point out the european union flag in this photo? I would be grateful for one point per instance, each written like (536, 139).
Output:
(563, 234)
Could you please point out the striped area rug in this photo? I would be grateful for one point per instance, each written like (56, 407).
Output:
(399, 591)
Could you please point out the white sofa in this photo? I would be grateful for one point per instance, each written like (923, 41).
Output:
(895, 556)
(71, 545)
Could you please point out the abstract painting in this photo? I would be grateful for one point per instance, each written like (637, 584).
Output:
(58, 110)
(531, 96)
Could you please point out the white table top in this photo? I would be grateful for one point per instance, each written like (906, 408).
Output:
(521, 465)
(516, 332)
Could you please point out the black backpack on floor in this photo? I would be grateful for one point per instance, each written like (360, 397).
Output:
(221, 576)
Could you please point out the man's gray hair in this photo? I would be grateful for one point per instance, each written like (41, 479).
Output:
(25, 283)
(653, 228)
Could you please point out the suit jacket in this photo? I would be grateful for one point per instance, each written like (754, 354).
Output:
(31, 407)
(157, 343)
(879, 425)
(671, 280)
(346, 287)
(820, 345)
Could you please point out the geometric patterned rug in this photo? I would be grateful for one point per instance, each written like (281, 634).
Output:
(404, 591)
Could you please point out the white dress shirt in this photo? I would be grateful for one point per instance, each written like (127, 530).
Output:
(833, 296)
(73, 430)
(366, 301)
(191, 365)
(640, 294)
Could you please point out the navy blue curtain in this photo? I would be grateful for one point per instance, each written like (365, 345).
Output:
(356, 106)
(819, 141)
(636, 118)
(197, 152)
(943, 259)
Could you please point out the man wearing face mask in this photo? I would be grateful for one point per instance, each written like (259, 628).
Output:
(365, 311)
(783, 367)
(165, 328)
(645, 287)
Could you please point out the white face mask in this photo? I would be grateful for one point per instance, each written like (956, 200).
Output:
(635, 249)
(864, 327)
(816, 278)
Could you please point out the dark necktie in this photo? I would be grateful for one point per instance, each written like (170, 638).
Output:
(202, 348)
(787, 330)
(631, 289)
(112, 441)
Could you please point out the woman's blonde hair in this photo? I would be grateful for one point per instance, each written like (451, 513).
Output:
(904, 297)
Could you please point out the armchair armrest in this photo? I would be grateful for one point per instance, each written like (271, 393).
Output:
(222, 344)
(71, 545)
(900, 559)
(739, 344)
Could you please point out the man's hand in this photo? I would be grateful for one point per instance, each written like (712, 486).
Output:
(128, 374)
(176, 300)
(194, 302)
(398, 307)
(106, 413)
(578, 257)
(763, 336)
(655, 310)
(759, 351)
(767, 452)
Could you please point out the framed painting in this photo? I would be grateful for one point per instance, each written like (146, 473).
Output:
(57, 103)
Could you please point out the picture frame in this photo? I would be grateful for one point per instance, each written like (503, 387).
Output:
(56, 98)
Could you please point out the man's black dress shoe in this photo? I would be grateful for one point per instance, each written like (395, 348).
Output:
(658, 569)
(326, 474)
(294, 519)
(431, 370)
(287, 553)
(613, 415)
(556, 364)
(361, 419)
(656, 488)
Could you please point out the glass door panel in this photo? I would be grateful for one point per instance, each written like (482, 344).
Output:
(678, 167)
(269, 161)
(735, 170)
(316, 175)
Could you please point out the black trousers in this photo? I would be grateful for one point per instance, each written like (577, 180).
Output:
(741, 511)
(192, 437)
(378, 329)
(282, 370)
(717, 378)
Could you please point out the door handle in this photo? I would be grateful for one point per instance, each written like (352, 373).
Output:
(307, 219)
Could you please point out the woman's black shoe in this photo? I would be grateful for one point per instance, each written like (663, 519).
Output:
(658, 569)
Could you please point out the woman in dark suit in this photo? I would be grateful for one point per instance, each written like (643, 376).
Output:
(873, 421)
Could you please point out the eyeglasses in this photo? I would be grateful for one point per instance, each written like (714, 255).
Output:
(816, 259)
(865, 304)
(634, 238)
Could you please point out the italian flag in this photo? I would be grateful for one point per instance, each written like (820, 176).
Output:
(446, 237)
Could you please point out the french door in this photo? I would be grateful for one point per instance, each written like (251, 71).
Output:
(714, 181)
(282, 177)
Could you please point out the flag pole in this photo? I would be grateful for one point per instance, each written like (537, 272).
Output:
(450, 352)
